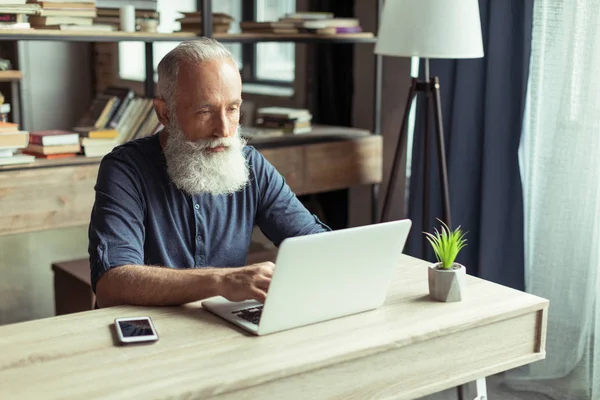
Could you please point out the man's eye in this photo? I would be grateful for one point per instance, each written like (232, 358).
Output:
(233, 109)
(204, 112)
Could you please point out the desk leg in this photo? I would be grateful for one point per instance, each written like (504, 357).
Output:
(477, 389)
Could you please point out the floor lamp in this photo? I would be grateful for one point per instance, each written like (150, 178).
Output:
(427, 29)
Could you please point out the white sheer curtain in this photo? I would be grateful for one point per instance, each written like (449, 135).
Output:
(560, 167)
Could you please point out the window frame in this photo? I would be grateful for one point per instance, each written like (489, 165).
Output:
(249, 58)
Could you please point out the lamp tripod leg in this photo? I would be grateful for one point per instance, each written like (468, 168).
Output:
(426, 175)
(398, 153)
(441, 149)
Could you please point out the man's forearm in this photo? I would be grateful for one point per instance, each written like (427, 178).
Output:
(155, 286)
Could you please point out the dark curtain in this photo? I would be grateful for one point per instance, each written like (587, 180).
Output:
(332, 98)
(482, 106)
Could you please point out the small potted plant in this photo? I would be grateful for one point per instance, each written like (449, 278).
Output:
(447, 279)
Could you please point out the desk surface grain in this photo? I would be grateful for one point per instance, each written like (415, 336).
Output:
(409, 347)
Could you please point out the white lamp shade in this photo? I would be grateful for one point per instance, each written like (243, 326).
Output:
(430, 29)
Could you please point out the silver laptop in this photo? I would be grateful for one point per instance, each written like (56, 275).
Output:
(322, 276)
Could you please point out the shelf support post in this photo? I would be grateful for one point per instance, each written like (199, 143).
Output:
(377, 112)
(149, 61)
(205, 7)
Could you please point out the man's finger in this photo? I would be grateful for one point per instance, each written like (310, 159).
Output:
(259, 295)
(262, 283)
(266, 270)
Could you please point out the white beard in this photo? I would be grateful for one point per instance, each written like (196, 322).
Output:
(196, 170)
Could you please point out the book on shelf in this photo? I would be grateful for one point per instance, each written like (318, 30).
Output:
(309, 15)
(100, 111)
(80, 28)
(46, 22)
(62, 1)
(12, 141)
(64, 5)
(133, 117)
(282, 112)
(125, 95)
(23, 9)
(11, 18)
(12, 2)
(71, 12)
(139, 13)
(17, 159)
(110, 16)
(138, 4)
(91, 132)
(38, 149)
(52, 143)
(192, 22)
(50, 156)
(53, 137)
(64, 15)
(15, 25)
(288, 120)
(318, 23)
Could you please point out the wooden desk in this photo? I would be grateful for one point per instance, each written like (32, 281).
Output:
(409, 348)
(59, 193)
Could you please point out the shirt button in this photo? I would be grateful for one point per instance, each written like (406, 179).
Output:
(197, 206)
(199, 238)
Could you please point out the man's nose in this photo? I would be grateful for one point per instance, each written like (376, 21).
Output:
(221, 128)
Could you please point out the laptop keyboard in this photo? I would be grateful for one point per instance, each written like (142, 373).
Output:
(251, 314)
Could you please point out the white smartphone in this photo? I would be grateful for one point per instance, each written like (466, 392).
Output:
(135, 330)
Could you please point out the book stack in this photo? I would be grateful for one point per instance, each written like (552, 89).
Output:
(321, 23)
(12, 140)
(72, 15)
(137, 4)
(13, 12)
(274, 27)
(115, 116)
(53, 144)
(110, 16)
(192, 22)
(288, 120)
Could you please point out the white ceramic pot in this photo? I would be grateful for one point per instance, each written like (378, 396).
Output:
(447, 285)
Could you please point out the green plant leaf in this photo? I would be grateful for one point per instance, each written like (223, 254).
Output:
(446, 244)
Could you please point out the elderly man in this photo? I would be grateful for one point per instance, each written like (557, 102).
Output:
(174, 212)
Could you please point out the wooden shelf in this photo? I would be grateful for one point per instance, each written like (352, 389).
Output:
(68, 184)
(51, 163)
(10, 76)
(363, 37)
(118, 36)
(319, 134)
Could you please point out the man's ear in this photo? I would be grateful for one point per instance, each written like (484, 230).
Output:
(162, 111)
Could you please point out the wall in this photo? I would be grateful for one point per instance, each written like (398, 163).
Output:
(55, 93)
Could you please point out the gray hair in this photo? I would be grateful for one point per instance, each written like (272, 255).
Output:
(194, 51)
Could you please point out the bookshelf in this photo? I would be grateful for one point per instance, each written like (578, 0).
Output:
(116, 36)
(205, 7)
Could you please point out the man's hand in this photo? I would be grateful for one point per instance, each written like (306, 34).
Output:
(247, 283)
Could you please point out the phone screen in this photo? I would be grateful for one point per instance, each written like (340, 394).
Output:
(136, 328)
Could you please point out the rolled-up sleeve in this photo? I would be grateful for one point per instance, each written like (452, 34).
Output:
(280, 214)
(116, 230)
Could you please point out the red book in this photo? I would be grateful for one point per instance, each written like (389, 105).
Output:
(53, 137)
(49, 156)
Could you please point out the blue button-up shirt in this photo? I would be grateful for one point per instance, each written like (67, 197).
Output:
(141, 218)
